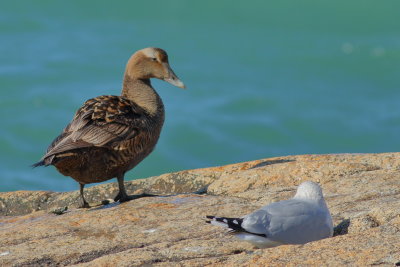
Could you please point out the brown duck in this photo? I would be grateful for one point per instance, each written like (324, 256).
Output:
(110, 135)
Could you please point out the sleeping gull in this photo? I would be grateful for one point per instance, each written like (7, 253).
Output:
(299, 220)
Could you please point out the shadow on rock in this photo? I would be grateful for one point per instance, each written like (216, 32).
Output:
(342, 228)
(270, 162)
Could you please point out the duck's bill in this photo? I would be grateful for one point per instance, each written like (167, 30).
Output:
(173, 79)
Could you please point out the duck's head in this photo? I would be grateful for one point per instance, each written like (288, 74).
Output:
(149, 63)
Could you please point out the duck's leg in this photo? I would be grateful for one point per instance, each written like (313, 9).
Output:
(82, 202)
(122, 196)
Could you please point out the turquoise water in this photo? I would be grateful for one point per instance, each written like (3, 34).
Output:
(264, 78)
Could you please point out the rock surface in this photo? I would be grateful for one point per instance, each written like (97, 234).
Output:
(361, 190)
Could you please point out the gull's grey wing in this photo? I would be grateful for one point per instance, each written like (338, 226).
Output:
(290, 221)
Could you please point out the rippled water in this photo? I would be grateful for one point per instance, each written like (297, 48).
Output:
(264, 78)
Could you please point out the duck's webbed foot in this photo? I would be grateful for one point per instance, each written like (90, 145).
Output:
(83, 205)
(118, 196)
(122, 196)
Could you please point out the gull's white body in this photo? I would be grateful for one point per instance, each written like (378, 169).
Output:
(299, 220)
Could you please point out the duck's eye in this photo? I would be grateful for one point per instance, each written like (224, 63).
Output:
(154, 59)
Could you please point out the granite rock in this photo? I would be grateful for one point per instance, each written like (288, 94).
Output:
(361, 190)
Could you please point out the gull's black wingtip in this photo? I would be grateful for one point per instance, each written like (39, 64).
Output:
(37, 164)
(209, 217)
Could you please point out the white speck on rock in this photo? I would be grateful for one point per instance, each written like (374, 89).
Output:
(194, 249)
(149, 231)
(5, 253)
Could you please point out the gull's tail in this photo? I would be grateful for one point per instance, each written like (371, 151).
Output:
(233, 224)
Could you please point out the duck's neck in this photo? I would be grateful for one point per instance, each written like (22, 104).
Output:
(142, 93)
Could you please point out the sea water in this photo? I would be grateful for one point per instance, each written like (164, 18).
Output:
(264, 78)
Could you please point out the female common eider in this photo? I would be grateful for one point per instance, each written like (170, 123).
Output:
(110, 135)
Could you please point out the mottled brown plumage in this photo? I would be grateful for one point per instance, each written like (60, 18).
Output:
(110, 135)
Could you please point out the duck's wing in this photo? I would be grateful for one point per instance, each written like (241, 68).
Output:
(99, 122)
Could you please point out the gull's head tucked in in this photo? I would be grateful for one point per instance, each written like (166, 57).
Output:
(149, 63)
(309, 190)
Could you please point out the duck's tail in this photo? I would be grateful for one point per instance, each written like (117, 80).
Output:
(37, 164)
(46, 161)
